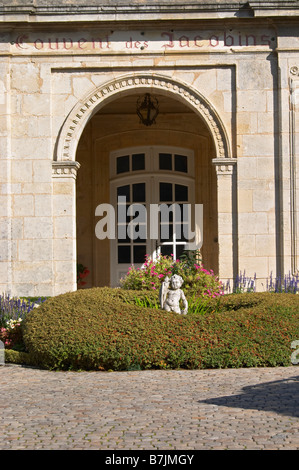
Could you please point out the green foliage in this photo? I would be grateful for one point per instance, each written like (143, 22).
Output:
(197, 280)
(82, 272)
(190, 257)
(196, 305)
(103, 328)
(18, 357)
(201, 306)
(146, 302)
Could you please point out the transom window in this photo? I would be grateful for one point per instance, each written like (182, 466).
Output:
(153, 159)
(127, 163)
(173, 162)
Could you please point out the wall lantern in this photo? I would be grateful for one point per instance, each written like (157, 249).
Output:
(147, 108)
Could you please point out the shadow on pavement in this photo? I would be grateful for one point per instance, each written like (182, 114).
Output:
(280, 396)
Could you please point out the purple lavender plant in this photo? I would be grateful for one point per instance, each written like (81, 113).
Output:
(287, 284)
(241, 284)
(14, 308)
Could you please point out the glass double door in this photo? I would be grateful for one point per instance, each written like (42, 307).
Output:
(152, 218)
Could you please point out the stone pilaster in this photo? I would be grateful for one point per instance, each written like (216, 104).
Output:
(7, 246)
(294, 165)
(227, 223)
(64, 220)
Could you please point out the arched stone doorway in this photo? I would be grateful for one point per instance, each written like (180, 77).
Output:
(106, 121)
(114, 131)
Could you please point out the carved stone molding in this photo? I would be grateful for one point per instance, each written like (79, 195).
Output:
(294, 70)
(84, 110)
(65, 169)
(224, 166)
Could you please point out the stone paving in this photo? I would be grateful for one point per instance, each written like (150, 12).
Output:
(150, 410)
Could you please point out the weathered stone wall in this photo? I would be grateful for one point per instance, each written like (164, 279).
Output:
(248, 78)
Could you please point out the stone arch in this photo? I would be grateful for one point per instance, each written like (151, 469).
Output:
(88, 106)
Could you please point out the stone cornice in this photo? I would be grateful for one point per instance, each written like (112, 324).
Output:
(65, 169)
(102, 10)
(224, 166)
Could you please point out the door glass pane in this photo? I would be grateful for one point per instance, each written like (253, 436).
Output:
(185, 213)
(167, 250)
(139, 252)
(181, 193)
(124, 191)
(180, 250)
(124, 254)
(165, 161)
(140, 234)
(166, 232)
(181, 232)
(166, 213)
(123, 164)
(139, 192)
(138, 162)
(123, 217)
(137, 231)
(165, 192)
(180, 163)
(180, 212)
(123, 233)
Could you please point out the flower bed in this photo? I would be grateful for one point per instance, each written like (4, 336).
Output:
(197, 280)
(12, 312)
(11, 334)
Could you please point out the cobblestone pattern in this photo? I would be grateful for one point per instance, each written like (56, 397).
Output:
(155, 410)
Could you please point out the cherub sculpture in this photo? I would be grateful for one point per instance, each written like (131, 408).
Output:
(170, 297)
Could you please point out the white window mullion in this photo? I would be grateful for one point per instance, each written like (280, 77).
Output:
(174, 243)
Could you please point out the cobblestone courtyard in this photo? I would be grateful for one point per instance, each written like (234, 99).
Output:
(150, 410)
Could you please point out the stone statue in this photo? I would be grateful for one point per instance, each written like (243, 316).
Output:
(170, 297)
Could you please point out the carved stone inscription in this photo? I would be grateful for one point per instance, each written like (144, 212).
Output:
(140, 41)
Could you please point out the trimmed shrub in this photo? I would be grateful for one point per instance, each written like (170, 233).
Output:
(18, 357)
(102, 329)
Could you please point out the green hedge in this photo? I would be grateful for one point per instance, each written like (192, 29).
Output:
(19, 357)
(102, 329)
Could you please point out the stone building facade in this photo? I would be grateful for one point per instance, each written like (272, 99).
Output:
(226, 78)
